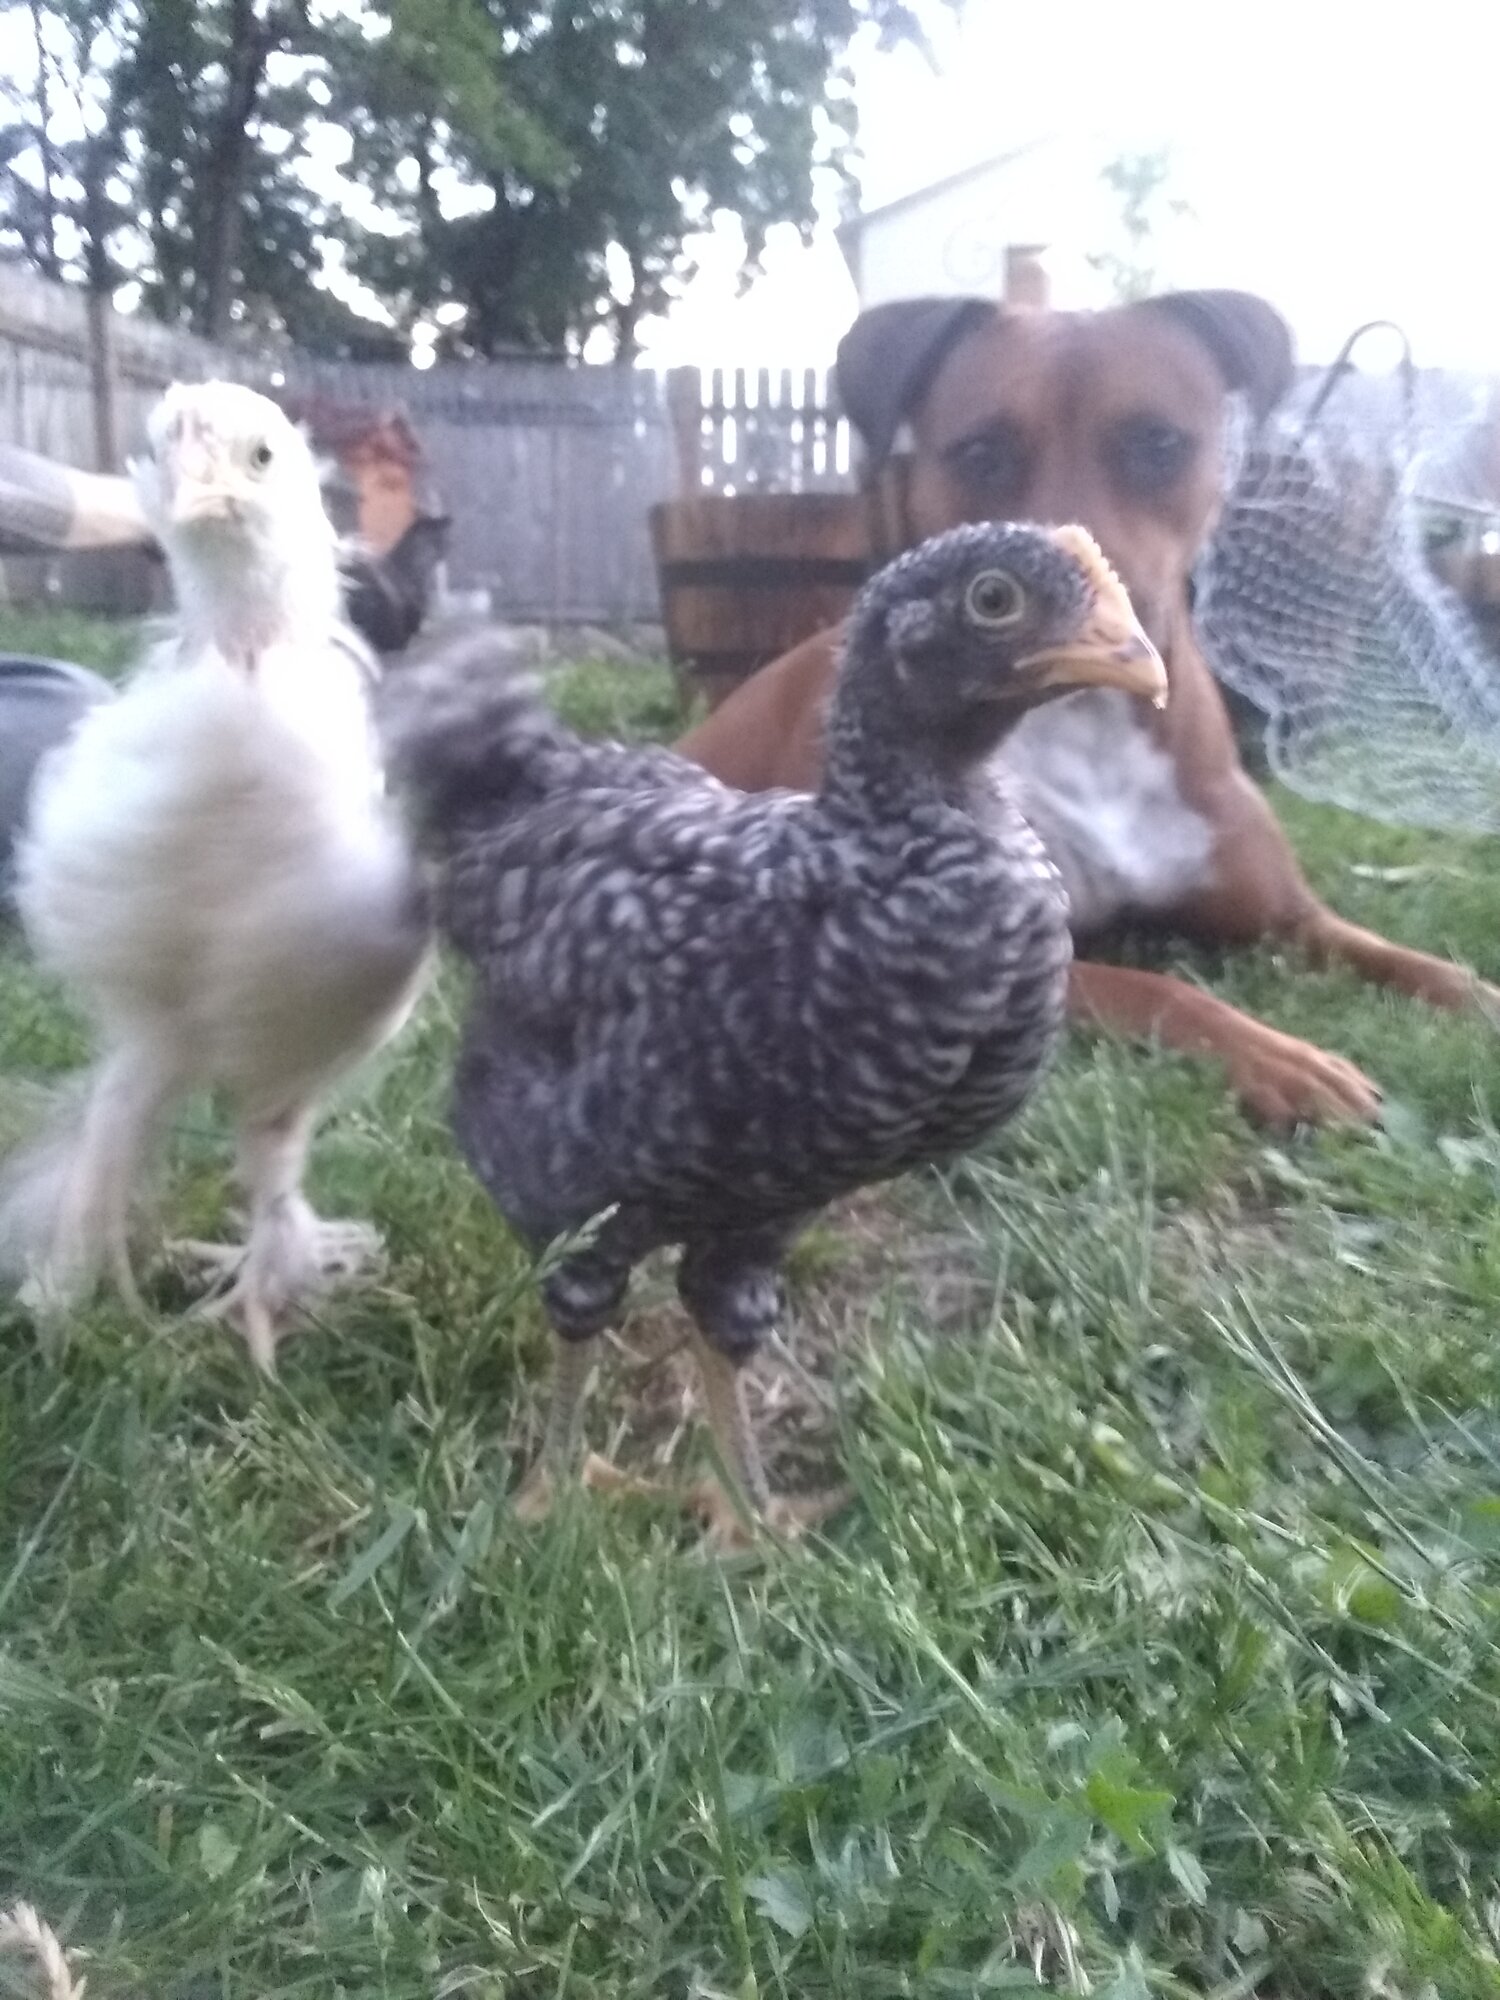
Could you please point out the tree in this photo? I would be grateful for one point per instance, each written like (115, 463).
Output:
(629, 123)
(231, 227)
(62, 149)
(148, 144)
(1142, 182)
(538, 166)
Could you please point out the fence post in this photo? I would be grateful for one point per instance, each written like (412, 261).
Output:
(101, 314)
(685, 407)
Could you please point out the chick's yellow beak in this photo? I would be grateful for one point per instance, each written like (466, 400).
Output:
(1110, 651)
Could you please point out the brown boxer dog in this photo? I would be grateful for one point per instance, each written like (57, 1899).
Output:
(1117, 420)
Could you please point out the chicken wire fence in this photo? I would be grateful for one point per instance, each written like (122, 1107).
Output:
(1319, 601)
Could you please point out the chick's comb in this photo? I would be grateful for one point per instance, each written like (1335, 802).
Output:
(1086, 552)
(1077, 542)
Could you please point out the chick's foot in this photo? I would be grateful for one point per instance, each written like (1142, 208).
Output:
(292, 1259)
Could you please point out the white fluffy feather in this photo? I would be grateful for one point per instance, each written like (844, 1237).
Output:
(212, 867)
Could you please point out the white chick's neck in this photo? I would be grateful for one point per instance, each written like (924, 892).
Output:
(238, 595)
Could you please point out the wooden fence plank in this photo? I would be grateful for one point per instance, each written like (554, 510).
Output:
(547, 469)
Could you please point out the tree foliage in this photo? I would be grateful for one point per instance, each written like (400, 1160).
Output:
(1142, 183)
(637, 121)
(528, 172)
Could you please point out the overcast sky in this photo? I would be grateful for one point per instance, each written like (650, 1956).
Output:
(1344, 161)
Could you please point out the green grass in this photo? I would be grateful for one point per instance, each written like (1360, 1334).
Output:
(69, 635)
(1159, 1653)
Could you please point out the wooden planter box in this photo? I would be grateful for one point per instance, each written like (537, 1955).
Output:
(746, 576)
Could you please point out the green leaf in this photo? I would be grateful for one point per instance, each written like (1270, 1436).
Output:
(782, 1898)
(879, 1781)
(1057, 1847)
(1350, 1586)
(1248, 1935)
(747, 1791)
(1127, 1809)
(810, 1748)
(217, 1853)
(380, 1550)
(1188, 1871)
(469, 1547)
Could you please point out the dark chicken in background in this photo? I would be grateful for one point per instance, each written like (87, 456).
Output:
(703, 1016)
(386, 598)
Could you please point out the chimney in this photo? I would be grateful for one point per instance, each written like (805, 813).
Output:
(1026, 283)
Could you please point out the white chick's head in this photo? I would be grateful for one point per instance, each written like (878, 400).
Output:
(231, 491)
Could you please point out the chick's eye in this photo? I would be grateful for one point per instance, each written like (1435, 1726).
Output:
(260, 457)
(994, 599)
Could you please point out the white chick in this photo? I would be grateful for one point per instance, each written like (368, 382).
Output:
(212, 866)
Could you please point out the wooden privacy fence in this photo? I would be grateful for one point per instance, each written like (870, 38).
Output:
(758, 430)
(547, 469)
(76, 385)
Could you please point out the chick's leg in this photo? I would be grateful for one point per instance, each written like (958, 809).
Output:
(731, 1287)
(572, 1365)
(582, 1295)
(65, 1201)
(291, 1254)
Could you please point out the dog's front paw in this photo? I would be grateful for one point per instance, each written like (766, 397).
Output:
(1282, 1082)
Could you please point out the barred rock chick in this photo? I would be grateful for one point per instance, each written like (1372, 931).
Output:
(710, 1014)
(212, 867)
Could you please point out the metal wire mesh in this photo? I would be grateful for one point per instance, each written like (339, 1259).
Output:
(1319, 602)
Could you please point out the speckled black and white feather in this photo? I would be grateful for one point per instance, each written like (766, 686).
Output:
(718, 1012)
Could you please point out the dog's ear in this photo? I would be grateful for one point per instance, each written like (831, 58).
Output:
(887, 359)
(1249, 340)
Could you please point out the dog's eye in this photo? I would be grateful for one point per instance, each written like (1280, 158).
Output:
(991, 463)
(260, 457)
(995, 600)
(1150, 455)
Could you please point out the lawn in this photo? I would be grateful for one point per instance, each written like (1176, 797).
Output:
(1157, 1654)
